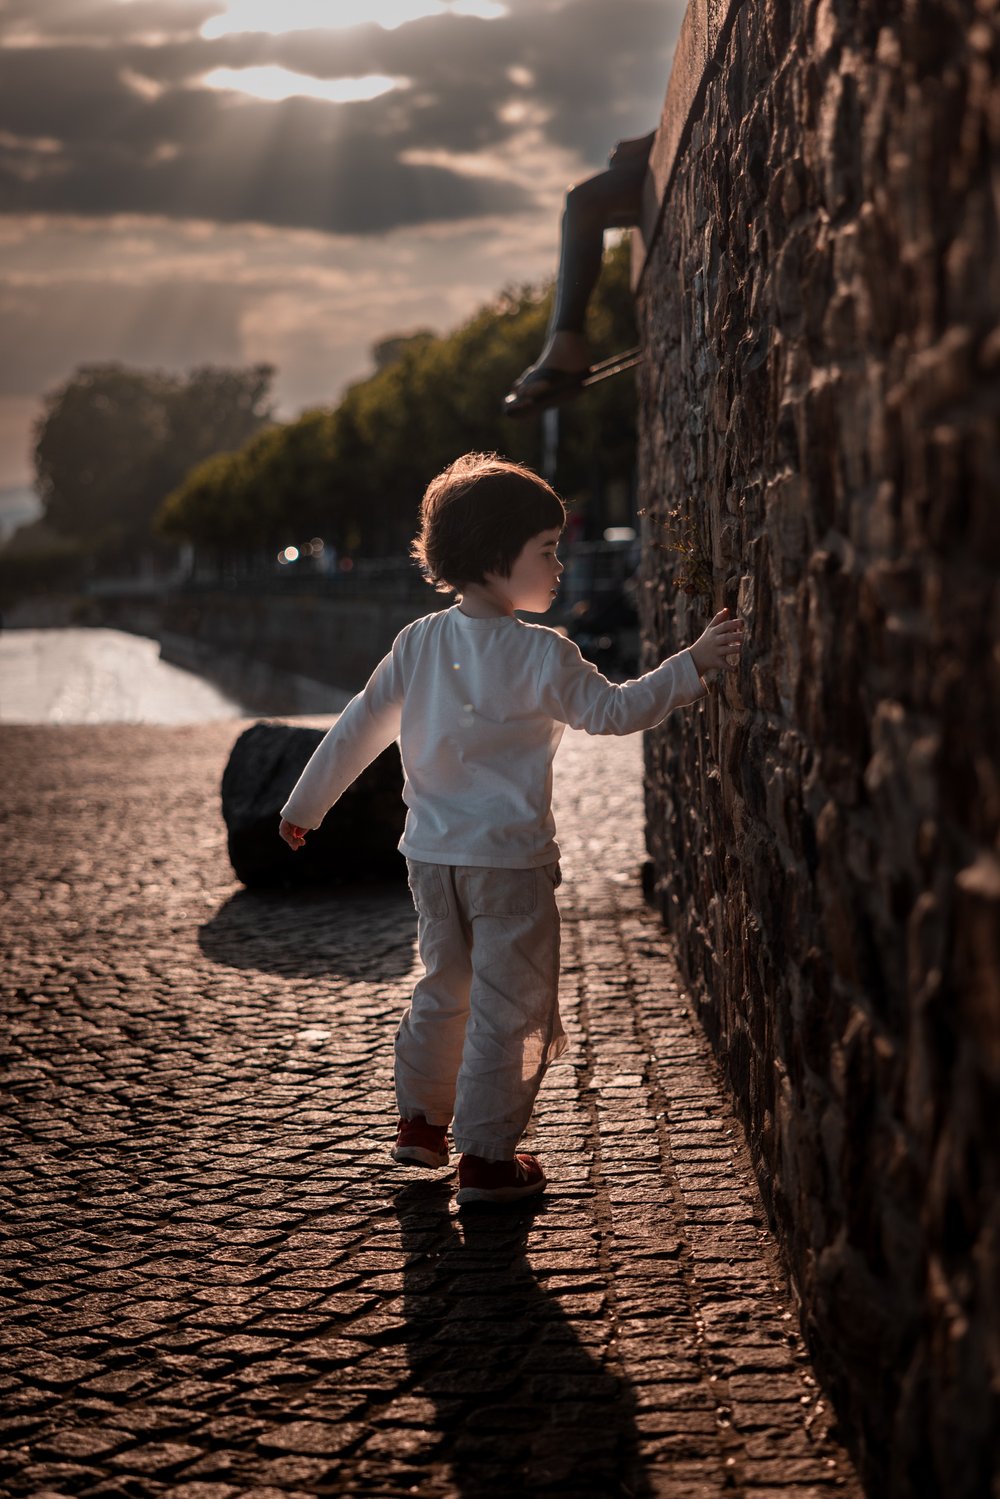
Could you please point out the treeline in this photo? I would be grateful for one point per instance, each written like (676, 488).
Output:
(110, 445)
(354, 473)
(127, 461)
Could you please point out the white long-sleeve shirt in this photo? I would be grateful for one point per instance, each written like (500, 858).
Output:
(479, 707)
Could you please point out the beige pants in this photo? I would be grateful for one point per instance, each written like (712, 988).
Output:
(483, 1024)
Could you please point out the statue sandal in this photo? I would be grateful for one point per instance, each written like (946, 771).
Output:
(543, 386)
(547, 386)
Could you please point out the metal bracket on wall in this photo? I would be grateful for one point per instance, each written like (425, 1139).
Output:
(615, 365)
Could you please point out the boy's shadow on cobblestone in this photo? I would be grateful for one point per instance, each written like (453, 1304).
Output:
(523, 1406)
(363, 932)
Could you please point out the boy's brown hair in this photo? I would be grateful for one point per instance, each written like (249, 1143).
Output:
(477, 515)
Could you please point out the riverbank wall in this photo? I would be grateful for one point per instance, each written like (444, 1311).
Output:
(301, 653)
(819, 301)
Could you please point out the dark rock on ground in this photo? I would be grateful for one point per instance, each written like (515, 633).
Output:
(358, 838)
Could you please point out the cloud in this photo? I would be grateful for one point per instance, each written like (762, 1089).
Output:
(197, 153)
(115, 125)
(148, 218)
(171, 323)
(42, 22)
(17, 417)
(175, 295)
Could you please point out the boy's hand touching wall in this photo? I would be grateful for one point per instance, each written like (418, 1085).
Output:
(719, 648)
(293, 836)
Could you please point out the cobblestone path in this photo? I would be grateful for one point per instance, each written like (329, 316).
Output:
(213, 1280)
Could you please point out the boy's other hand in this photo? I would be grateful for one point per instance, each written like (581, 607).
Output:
(719, 648)
(293, 836)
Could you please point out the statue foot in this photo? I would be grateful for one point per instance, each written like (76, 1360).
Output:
(543, 385)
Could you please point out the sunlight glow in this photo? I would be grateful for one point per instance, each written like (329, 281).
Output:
(46, 145)
(485, 10)
(274, 83)
(338, 15)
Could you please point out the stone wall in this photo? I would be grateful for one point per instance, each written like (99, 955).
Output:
(820, 305)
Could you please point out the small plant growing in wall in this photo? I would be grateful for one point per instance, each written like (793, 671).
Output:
(680, 534)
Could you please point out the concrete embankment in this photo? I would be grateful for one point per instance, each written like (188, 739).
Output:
(304, 653)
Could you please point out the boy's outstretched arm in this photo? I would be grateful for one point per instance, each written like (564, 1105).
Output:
(573, 690)
(718, 648)
(368, 724)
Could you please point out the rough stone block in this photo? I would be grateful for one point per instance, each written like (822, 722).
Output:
(357, 840)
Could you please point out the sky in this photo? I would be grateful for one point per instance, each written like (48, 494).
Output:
(289, 181)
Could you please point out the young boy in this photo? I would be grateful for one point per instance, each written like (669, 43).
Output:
(479, 701)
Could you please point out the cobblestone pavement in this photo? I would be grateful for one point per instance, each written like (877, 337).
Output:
(215, 1283)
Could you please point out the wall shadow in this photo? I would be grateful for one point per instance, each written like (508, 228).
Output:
(522, 1405)
(356, 932)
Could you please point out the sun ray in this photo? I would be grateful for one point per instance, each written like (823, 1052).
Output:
(275, 83)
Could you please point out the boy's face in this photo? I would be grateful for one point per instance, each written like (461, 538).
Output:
(534, 577)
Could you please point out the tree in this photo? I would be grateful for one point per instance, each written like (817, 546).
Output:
(214, 410)
(214, 505)
(268, 493)
(112, 442)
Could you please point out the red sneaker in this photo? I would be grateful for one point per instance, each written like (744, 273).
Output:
(498, 1181)
(421, 1144)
